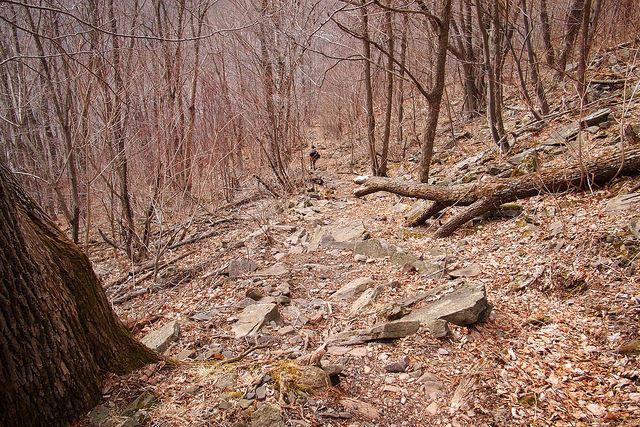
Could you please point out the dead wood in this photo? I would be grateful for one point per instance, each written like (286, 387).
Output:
(483, 197)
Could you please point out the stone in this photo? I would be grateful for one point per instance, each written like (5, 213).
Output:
(432, 409)
(333, 370)
(365, 410)
(464, 306)
(394, 311)
(416, 211)
(261, 392)
(253, 318)
(267, 415)
(404, 259)
(597, 117)
(226, 381)
(388, 330)
(438, 328)
(239, 267)
(285, 330)
(205, 315)
(397, 366)
(313, 379)
(471, 270)
(254, 293)
(341, 235)
(185, 354)
(143, 402)
(623, 202)
(366, 299)
(160, 339)
(353, 288)
(359, 258)
(632, 133)
(374, 248)
(277, 269)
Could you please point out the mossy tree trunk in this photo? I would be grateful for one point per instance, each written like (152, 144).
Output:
(58, 333)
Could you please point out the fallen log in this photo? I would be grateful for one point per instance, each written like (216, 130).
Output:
(483, 197)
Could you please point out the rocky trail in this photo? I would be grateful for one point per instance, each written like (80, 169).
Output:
(323, 309)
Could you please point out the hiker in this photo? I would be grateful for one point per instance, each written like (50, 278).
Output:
(313, 157)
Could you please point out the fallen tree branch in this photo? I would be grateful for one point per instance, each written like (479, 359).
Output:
(483, 197)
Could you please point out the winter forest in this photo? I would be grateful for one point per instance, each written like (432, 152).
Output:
(319, 213)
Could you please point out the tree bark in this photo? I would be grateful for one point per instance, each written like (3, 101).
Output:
(483, 197)
(371, 120)
(382, 167)
(58, 334)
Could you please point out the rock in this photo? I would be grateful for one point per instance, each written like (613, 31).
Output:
(267, 415)
(333, 370)
(432, 409)
(404, 259)
(101, 416)
(261, 392)
(239, 267)
(186, 354)
(226, 381)
(353, 288)
(389, 330)
(438, 328)
(253, 317)
(255, 294)
(277, 269)
(286, 330)
(367, 298)
(398, 366)
(632, 347)
(341, 235)
(471, 270)
(374, 248)
(313, 379)
(365, 410)
(623, 202)
(529, 164)
(205, 315)
(416, 211)
(143, 402)
(394, 311)
(160, 339)
(359, 258)
(463, 307)
(632, 133)
(597, 117)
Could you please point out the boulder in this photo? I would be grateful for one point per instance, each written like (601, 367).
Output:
(597, 117)
(160, 339)
(389, 330)
(353, 288)
(623, 202)
(463, 307)
(253, 318)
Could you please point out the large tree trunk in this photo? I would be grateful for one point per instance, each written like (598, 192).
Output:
(483, 197)
(58, 334)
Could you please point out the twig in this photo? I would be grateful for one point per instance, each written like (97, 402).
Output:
(242, 355)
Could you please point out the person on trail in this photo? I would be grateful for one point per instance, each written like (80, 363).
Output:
(313, 157)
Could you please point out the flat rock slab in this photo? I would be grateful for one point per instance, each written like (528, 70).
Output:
(277, 269)
(353, 288)
(374, 248)
(341, 235)
(254, 317)
(366, 299)
(160, 339)
(623, 202)
(390, 330)
(463, 307)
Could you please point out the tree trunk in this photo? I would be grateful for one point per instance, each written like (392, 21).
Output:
(58, 334)
(382, 166)
(435, 96)
(533, 61)
(546, 34)
(483, 197)
(371, 120)
(573, 22)
(581, 85)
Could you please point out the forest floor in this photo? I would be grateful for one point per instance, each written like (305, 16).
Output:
(561, 276)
